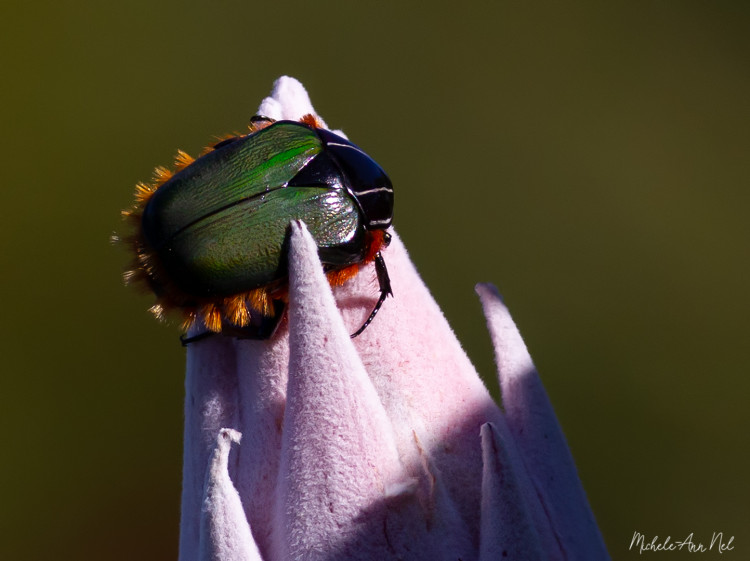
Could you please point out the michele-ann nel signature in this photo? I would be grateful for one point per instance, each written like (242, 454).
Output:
(689, 543)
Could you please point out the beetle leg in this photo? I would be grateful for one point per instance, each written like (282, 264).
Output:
(385, 290)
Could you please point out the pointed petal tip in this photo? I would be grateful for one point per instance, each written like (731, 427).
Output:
(224, 531)
(313, 314)
(511, 354)
(288, 100)
(536, 431)
(487, 430)
(228, 436)
(297, 227)
(508, 528)
(284, 84)
(303, 251)
(487, 291)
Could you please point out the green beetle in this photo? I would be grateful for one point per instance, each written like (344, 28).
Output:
(211, 238)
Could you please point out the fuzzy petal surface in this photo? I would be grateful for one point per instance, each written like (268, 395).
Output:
(368, 448)
(288, 100)
(211, 403)
(339, 456)
(534, 426)
(427, 385)
(508, 530)
(224, 532)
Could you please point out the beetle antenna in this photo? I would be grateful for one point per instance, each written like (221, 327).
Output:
(385, 290)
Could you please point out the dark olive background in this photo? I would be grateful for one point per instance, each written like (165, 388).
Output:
(589, 159)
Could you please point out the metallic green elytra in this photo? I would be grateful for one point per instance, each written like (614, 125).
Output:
(212, 238)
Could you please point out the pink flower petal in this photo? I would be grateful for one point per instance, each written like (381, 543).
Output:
(535, 428)
(262, 368)
(369, 448)
(224, 532)
(338, 454)
(210, 405)
(425, 381)
(288, 100)
(343, 491)
(508, 530)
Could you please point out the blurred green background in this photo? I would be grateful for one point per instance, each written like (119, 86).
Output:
(590, 159)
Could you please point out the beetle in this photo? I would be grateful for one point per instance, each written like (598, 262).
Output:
(211, 238)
